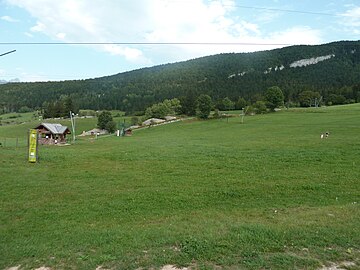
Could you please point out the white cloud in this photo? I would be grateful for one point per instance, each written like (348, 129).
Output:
(156, 21)
(82, 21)
(28, 34)
(21, 75)
(28, 77)
(130, 54)
(39, 27)
(61, 36)
(350, 21)
(297, 35)
(351, 18)
(9, 19)
(25, 75)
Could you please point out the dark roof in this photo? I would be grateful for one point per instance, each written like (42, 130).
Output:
(54, 128)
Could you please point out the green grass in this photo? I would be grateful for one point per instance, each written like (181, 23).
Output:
(267, 194)
(12, 134)
(17, 118)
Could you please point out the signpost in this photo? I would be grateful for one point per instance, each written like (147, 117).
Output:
(33, 146)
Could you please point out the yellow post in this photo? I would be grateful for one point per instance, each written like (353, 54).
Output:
(33, 140)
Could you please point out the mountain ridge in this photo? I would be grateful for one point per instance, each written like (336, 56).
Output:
(330, 69)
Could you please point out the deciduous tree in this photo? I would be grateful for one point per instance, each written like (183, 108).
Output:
(204, 104)
(227, 104)
(104, 118)
(240, 103)
(274, 97)
(307, 98)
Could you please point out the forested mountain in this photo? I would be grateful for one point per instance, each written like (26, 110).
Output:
(331, 69)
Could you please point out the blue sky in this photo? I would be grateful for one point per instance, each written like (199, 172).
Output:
(269, 24)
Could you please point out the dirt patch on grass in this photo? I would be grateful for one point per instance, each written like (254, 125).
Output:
(19, 268)
(172, 267)
(339, 266)
(166, 267)
(13, 268)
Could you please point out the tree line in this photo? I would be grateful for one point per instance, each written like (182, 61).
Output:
(233, 76)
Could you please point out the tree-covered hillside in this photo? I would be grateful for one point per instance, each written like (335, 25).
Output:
(331, 70)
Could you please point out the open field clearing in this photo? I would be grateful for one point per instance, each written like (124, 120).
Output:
(266, 194)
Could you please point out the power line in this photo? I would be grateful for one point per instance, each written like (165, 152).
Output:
(287, 10)
(7, 53)
(276, 9)
(153, 43)
(147, 43)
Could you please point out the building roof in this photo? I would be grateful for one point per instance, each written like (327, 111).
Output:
(153, 121)
(94, 131)
(54, 128)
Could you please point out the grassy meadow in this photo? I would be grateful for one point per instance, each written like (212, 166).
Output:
(13, 132)
(216, 194)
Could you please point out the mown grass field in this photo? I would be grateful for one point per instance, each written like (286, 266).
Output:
(14, 134)
(266, 194)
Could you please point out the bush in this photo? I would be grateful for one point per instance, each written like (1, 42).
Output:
(14, 116)
(240, 104)
(291, 104)
(110, 126)
(260, 107)
(225, 104)
(135, 120)
(24, 109)
(334, 99)
(87, 113)
(216, 114)
(104, 118)
(249, 110)
(138, 113)
(162, 109)
(308, 98)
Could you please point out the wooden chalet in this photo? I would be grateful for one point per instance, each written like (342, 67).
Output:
(52, 133)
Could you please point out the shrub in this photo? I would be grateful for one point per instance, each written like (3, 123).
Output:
(110, 126)
(24, 109)
(135, 120)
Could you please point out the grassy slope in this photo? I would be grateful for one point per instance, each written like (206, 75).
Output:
(266, 194)
(9, 133)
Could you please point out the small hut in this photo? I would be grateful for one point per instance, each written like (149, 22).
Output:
(52, 133)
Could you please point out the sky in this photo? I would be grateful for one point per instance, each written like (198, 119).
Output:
(80, 39)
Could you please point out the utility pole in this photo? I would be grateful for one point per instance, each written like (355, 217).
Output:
(72, 119)
(3, 55)
(244, 110)
(318, 101)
